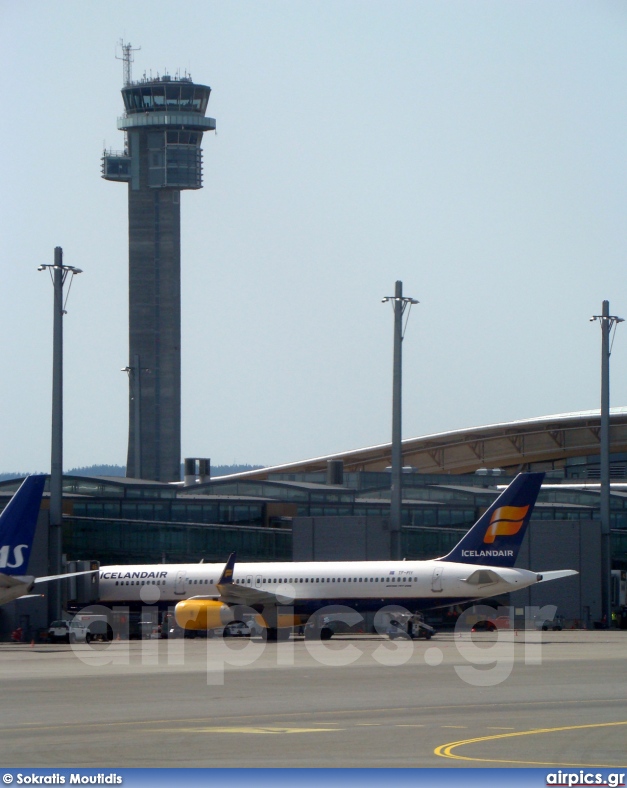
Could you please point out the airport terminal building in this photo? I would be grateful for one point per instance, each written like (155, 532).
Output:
(337, 507)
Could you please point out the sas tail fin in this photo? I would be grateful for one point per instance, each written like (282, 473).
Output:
(18, 522)
(495, 539)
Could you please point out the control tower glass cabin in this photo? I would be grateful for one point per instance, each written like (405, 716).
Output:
(164, 121)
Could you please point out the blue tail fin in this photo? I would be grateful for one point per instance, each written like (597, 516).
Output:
(495, 539)
(17, 526)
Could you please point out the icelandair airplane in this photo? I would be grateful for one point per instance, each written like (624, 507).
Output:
(208, 596)
(18, 522)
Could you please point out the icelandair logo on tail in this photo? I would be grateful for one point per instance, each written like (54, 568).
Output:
(505, 521)
(18, 556)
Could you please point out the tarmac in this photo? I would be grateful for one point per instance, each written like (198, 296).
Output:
(505, 699)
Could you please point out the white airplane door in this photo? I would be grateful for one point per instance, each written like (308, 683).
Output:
(179, 583)
(436, 580)
(249, 580)
(258, 581)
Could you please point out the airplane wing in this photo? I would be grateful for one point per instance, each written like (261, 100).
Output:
(11, 581)
(61, 577)
(12, 587)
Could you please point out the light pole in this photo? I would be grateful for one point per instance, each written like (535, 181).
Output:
(58, 275)
(607, 323)
(399, 305)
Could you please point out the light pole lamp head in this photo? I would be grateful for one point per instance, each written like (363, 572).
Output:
(70, 269)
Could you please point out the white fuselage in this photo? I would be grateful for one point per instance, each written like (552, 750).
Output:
(308, 584)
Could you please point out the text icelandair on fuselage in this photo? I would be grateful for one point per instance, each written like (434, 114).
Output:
(62, 779)
(486, 553)
(131, 575)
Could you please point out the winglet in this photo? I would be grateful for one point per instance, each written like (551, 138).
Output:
(226, 578)
(18, 522)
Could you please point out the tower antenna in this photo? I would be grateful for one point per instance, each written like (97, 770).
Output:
(127, 57)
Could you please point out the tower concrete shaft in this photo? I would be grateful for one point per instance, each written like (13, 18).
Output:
(164, 122)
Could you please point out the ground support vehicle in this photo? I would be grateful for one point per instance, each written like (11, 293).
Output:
(63, 631)
(557, 624)
(237, 629)
(98, 626)
(412, 628)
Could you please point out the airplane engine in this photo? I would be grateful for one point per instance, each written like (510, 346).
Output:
(202, 614)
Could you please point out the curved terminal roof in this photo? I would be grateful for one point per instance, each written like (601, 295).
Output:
(512, 445)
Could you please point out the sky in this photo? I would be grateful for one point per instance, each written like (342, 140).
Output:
(476, 151)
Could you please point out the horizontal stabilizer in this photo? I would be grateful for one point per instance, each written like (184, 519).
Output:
(556, 574)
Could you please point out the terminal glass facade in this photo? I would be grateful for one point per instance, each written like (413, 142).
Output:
(123, 521)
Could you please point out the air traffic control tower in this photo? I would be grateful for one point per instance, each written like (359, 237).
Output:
(164, 120)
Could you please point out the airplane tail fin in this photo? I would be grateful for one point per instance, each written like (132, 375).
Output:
(18, 522)
(495, 539)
